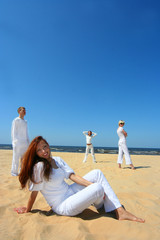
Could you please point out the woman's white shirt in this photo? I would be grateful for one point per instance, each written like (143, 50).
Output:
(121, 135)
(89, 138)
(56, 189)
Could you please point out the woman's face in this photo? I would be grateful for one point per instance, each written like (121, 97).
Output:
(43, 150)
(89, 133)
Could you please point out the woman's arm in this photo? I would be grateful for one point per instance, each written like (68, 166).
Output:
(124, 132)
(85, 133)
(31, 201)
(94, 134)
(79, 180)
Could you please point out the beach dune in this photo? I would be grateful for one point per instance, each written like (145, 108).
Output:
(138, 190)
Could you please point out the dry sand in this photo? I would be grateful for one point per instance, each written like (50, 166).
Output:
(138, 190)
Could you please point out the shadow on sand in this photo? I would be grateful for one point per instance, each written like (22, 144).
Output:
(46, 213)
(139, 167)
(87, 214)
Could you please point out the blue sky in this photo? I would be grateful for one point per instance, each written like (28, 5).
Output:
(81, 65)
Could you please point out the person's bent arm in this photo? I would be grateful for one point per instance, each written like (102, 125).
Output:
(124, 132)
(94, 134)
(85, 133)
(79, 180)
(31, 201)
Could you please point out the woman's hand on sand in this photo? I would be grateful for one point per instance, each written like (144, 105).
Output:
(20, 210)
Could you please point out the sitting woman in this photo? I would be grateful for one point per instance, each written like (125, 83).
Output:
(46, 174)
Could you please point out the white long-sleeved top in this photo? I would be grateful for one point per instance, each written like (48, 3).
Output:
(89, 138)
(56, 190)
(121, 135)
(19, 131)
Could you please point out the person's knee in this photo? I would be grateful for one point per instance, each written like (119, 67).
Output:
(98, 189)
(97, 172)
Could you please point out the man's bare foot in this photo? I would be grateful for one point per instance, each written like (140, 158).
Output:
(122, 214)
(119, 165)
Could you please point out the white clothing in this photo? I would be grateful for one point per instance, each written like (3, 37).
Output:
(123, 148)
(121, 135)
(18, 151)
(20, 142)
(19, 131)
(89, 138)
(71, 200)
(90, 146)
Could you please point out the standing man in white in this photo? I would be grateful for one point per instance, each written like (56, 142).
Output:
(89, 135)
(123, 146)
(20, 140)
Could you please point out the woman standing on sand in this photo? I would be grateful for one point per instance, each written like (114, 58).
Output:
(89, 147)
(123, 146)
(46, 174)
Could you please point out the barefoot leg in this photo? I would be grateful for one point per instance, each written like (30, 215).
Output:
(132, 167)
(122, 214)
(119, 165)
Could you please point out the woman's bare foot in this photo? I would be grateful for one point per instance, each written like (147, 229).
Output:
(122, 214)
(119, 165)
(132, 167)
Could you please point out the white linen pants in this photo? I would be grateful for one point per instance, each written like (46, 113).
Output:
(83, 197)
(18, 151)
(88, 148)
(123, 150)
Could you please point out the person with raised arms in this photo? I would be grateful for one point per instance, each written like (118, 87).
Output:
(89, 146)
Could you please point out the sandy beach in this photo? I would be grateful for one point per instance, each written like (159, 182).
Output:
(138, 190)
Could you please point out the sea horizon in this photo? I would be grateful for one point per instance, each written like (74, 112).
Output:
(102, 150)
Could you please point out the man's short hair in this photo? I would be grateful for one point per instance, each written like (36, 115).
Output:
(20, 108)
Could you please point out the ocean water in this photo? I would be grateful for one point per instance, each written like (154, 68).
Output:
(102, 150)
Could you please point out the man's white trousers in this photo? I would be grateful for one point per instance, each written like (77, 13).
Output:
(18, 151)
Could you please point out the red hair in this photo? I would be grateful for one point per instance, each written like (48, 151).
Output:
(30, 158)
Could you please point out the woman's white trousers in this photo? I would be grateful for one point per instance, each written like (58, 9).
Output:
(123, 150)
(89, 148)
(98, 194)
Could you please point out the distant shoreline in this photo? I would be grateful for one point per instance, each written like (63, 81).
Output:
(101, 150)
